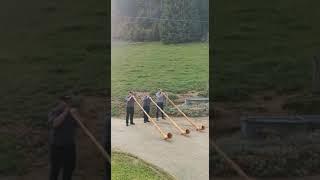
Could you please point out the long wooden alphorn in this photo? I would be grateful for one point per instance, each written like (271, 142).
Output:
(165, 136)
(188, 119)
(172, 121)
(93, 139)
(235, 166)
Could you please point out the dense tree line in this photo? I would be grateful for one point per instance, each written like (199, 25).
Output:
(160, 20)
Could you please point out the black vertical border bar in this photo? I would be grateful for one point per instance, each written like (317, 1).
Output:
(211, 87)
(108, 86)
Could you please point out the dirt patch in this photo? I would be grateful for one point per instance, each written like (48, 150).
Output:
(303, 104)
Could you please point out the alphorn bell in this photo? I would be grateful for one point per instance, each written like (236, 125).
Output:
(165, 136)
(183, 132)
(188, 119)
(92, 138)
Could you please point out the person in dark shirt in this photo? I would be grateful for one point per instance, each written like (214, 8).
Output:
(160, 102)
(62, 131)
(146, 106)
(130, 108)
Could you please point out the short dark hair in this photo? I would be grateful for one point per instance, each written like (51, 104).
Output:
(65, 98)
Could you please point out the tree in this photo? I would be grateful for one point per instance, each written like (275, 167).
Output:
(203, 6)
(180, 21)
(194, 15)
(136, 29)
(183, 24)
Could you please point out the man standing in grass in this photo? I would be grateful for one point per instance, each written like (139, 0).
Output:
(130, 108)
(160, 102)
(62, 132)
(146, 106)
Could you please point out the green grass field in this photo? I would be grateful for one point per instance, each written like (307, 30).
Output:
(46, 49)
(40, 62)
(263, 46)
(148, 66)
(125, 166)
(11, 156)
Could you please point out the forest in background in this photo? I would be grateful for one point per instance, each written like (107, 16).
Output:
(167, 21)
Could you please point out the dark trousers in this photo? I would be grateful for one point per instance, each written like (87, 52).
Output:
(130, 112)
(145, 117)
(160, 104)
(62, 158)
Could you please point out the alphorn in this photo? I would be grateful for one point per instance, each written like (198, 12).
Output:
(93, 139)
(188, 119)
(235, 166)
(165, 136)
(172, 121)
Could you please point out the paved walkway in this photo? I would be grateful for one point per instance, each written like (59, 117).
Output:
(292, 178)
(186, 158)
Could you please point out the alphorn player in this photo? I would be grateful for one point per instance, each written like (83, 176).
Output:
(130, 108)
(160, 102)
(62, 131)
(146, 106)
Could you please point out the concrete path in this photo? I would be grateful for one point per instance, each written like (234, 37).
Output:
(291, 178)
(186, 158)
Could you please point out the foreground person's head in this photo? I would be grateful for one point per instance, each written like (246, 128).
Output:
(70, 99)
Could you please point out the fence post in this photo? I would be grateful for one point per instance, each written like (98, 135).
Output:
(316, 76)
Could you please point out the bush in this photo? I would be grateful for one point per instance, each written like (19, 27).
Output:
(271, 158)
(200, 110)
(172, 96)
(303, 104)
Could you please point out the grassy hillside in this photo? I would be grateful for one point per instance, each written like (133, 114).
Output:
(149, 66)
(263, 46)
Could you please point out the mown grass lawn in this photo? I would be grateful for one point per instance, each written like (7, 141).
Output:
(128, 167)
(263, 46)
(11, 157)
(151, 65)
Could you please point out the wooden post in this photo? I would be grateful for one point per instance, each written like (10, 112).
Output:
(316, 76)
